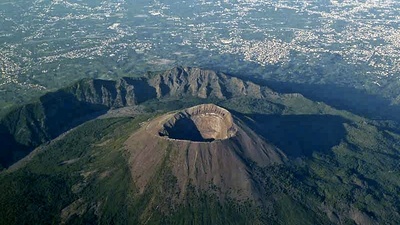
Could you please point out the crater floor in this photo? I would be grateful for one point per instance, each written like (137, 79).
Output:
(202, 123)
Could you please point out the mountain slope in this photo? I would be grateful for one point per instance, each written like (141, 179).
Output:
(94, 174)
(299, 162)
(56, 112)
(219, 163)
(85, 177)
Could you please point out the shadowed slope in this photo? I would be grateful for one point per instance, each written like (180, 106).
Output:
(301, 135)
(40, 121)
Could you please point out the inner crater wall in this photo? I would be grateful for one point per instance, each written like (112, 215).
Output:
(205, 122)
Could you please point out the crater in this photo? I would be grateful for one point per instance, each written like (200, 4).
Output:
(202, 123)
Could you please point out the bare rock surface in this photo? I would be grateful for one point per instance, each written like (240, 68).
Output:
(218, 161)
(206, 122)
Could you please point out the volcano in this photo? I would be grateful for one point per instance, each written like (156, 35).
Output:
(205, 147)
(265, 158)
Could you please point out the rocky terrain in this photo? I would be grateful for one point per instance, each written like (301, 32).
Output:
(30, 125)
(193, 146)
(177, 82)
(215, 158)
(206, 122)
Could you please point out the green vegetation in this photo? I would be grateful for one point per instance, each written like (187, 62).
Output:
(340, 160)
(253, 105)
(26, 127)
(205, 208)
(85, 165)
(83, 178)
(171, 104)
(5, 107)
(342, 168)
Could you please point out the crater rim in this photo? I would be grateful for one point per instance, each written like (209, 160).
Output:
(201, 123)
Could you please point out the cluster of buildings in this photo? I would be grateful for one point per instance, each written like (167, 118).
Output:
(264, 32)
